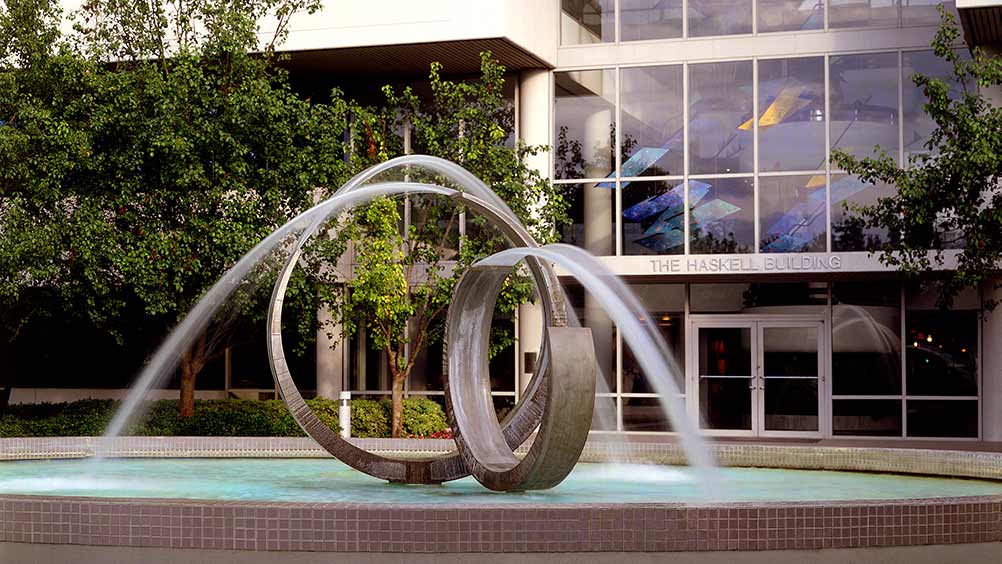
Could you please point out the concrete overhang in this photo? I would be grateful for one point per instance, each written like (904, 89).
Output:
(981, 20)
(400, 37)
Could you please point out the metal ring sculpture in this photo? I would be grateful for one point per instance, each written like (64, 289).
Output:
(484, 445)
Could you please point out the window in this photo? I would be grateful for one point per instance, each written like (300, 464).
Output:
(791, 120)
(793, 214)
(864, 103)
(720, 112)
(918, 126)
(653, 121)
(925, 12)
(866, 339)
(863, 13)
(587, 21)
(719, 17)
(653, 217)
(848, 230)
(790, 15)
(941, 364)
(650, 19)
(584, 115)
(593, 216)
(721, 215)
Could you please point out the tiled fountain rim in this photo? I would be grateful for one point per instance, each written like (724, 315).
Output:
(903, 459)
(399, 528)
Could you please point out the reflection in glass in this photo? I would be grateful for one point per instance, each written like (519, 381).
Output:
(864, 103)
(790, 15)
(652, 121)
(866, 338)
(587, 21)
(653, 222)
(759, 298)
(650, 19)
(925, 12)
(790, 375)
(942, 418)
(584, 112)
(870, 418)
(862, 13)
(942, 355)
(645, 414)
(665, 304)
(849, 233)
(791, 105)
(721, 215)
(724, 377)
(592, 212)
(720, 112)
(917, 124)
(603, 331)
(719, 17)
(793, 214)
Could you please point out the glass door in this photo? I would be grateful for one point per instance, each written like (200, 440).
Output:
(758, 377)
(789, 384)
(726, 373)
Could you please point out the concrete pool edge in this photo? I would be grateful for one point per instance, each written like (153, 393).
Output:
(349, 528)
(387, 528)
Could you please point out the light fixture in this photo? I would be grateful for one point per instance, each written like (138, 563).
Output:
(915, 344)
(928, 339)
(666, 318)
(963, 350)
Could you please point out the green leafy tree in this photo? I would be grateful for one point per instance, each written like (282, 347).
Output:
(405, 271)
(145, 153)
(949, 198)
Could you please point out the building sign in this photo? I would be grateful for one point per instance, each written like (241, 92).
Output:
(746, 264)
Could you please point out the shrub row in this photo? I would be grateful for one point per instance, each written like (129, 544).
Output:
(216, 418)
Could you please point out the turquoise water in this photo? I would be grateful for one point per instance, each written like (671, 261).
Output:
(325, 480)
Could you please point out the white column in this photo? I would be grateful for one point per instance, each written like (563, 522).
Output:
(991, 367)
(530, 336)
(331, 358)
(534, 103)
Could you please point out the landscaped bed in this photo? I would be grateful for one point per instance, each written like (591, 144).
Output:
(222, 418)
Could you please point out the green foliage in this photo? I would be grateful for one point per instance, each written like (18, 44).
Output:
(949, 198)
(369, 418)
(216, 418)
(404, 276)
(423, 417)
(143, 153)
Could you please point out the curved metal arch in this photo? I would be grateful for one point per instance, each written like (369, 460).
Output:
(568, 412)
(520, 422)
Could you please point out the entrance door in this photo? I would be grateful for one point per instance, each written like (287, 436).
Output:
(758, 376)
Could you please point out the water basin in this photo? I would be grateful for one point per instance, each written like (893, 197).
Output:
(329, 481)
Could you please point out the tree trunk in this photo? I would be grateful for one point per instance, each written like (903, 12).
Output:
(398, 405)
(192, 362)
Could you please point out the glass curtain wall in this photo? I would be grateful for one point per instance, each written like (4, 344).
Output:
(584, 22)
(900, 366)
(704, 158)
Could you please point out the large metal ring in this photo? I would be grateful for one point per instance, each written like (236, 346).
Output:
(517, 426)
(569, 390)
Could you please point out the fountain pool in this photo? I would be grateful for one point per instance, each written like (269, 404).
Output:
(330, 481)
(776, 503)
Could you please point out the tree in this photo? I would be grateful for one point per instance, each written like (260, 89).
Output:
(145, 153)
(949, 197)
(404, 275)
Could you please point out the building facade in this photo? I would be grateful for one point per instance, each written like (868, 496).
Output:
(693, 140)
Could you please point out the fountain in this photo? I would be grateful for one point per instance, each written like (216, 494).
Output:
(162, 494)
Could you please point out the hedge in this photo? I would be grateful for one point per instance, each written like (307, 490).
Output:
(216, 418)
